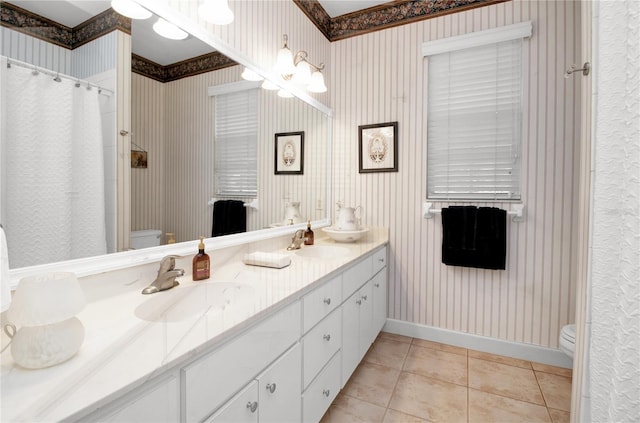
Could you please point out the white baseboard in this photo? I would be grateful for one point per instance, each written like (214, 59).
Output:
(519, 350)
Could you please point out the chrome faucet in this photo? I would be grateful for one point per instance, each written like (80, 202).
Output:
(167, 274)
(297, 240)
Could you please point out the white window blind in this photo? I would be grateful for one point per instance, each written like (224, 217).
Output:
(474, 122)
(236, 144)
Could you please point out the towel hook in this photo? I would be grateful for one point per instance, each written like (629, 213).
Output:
(584, 69)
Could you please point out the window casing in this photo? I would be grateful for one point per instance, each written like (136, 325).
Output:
(474, 119)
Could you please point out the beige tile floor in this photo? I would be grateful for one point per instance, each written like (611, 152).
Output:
(405, 379)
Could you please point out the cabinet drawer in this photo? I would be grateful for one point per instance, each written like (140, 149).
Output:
(356, 276)
(159, 403)
(321, 302)
(319, 396)
(211, 380)
(320, 344)
(379, 259)
(243, 408)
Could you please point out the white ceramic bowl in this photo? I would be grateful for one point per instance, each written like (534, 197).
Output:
(345, 236)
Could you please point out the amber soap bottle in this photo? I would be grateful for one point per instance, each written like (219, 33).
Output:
(201, 264)
(308, 235)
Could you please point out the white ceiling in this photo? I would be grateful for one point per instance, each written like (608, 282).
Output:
(145, 42)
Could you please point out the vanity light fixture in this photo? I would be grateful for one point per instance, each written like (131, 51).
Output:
(130, 9)
(169, 30)
(216, 12)
(271, 86)
(44, 308)
(298, 69)
(284, 94)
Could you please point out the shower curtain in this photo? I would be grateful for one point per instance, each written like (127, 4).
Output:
(52, 169)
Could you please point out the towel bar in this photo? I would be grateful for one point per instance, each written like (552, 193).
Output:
(517, 213)
(254, 204)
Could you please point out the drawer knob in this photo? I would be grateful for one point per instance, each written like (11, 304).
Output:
(327, 301)
(271, 387)
(381, 260)
(364, 297)
(377, 285)
(359, 302)
(326, 337)
(252, 406)
(326, 392)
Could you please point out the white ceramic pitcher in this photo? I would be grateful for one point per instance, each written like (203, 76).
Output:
(292, 213)
(346, 219)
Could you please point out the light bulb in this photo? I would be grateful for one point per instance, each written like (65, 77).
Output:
(130, 9)
(271, 86)
(302, 75)
(216, 12)
(284, 94)
(250, 75)
(169, 30)
(317, 83)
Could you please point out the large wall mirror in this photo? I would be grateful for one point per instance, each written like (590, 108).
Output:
(173, 127)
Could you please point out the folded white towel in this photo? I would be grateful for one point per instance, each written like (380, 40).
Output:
(259, 258)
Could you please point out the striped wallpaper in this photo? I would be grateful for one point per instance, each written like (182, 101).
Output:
(378, 77)
(174, 123)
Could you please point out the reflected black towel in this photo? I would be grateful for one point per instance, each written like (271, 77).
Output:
(474, 237)
(229, 217)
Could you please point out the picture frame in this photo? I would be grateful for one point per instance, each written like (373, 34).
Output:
(378, 147)
(138, 159)
(289, 153)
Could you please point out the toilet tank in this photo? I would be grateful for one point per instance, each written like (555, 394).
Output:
(146, 238)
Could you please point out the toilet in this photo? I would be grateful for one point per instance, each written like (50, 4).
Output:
(567, 340)
(145, 239)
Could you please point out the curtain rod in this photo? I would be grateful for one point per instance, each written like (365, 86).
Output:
(57, 76)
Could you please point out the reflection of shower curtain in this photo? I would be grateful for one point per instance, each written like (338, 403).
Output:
(53, 178)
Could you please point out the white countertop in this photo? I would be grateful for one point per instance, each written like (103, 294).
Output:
(122, 349)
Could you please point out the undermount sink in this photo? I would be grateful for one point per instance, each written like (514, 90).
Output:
(179, 303)
(323, 251)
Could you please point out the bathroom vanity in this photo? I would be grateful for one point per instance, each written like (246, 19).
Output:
(249, 344)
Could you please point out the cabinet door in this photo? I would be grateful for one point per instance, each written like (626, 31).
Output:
(243, 408)
(379, 301)
(365, 331)
(350, 336)
(280, 390)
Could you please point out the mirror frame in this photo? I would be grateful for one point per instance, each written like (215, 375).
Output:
(121, 260)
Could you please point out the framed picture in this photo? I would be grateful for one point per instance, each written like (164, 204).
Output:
(289, 153)
(138, 159)
(378, 147)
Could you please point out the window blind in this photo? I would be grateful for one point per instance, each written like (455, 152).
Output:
(236, 144)
(474, 122)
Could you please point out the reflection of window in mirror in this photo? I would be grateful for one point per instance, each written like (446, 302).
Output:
(236, 144)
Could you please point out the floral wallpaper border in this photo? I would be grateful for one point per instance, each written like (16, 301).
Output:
(386, 15)
(14, 17)
(194, 66)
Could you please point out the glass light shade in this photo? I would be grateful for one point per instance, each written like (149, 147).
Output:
(271, 86)
(317, 83)
(130, 9)
(302, 76)
(216, 12)
(284, 62)
(284, 94)
(46, 299)
(250, 75)
(169, 30)
(5, 293)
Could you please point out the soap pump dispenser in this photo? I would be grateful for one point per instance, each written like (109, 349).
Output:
(308, 235)
(201, 264)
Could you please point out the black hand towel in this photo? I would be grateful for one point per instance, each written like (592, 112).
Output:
(229, 217)
(474, 237)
